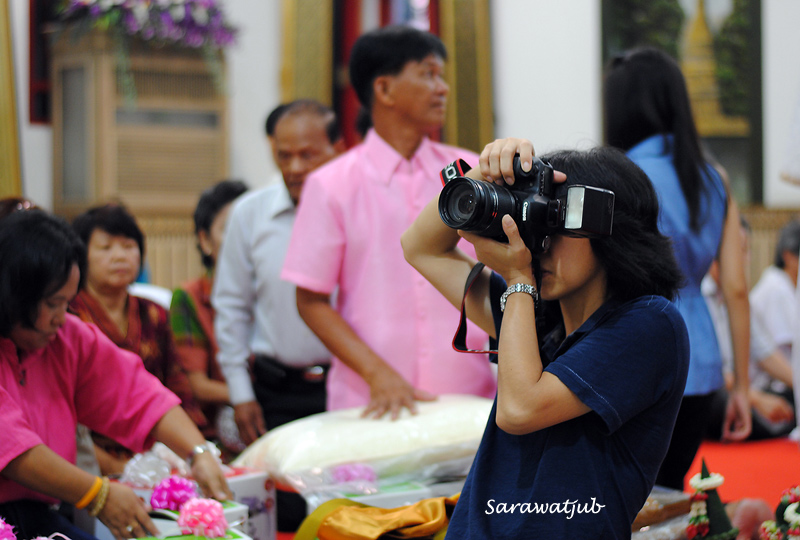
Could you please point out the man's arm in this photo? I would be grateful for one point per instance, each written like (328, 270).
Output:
(777, 366)
(234, 297)
(389, 392)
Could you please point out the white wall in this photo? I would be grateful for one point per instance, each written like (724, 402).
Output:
(254, 86)
(781, 96)
(546, 70)
(35, 141)
(547, 67)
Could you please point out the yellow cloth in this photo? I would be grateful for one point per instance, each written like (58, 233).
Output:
(342, 519)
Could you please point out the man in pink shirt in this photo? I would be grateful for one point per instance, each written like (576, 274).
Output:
(389, 330)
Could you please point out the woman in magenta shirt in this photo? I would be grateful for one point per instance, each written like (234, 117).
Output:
(56, 371)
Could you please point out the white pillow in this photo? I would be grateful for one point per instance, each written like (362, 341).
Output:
(449, 428)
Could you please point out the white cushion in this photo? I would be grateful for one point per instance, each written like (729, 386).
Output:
(449, 428)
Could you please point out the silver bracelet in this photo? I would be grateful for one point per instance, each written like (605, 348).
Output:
(196, 451)
(519, 287)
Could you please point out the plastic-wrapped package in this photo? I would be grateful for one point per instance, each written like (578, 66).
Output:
(146, 470)
(149, 468)
(338, 453)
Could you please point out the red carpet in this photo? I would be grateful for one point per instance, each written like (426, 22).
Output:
(760, 469)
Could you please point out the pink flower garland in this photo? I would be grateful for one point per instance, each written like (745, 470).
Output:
(351, 472)
(203, 517)
(172, 492)
(6, 531)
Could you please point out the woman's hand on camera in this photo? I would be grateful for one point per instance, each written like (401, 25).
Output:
(497, 161)
(511, 260)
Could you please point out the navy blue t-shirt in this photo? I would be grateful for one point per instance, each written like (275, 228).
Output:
(587, 477)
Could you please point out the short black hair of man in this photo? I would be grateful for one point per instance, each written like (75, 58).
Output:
(38, 251)
(272, 119)
(212, 200)
(788, 240)
(311, 106)
(112, 218)
(386, 51)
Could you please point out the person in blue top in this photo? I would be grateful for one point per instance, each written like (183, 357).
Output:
(648, 115)
(587, 395)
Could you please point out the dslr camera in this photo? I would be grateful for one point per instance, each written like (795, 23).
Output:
(478, 206)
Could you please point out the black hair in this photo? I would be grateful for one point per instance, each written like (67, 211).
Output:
(38, 251)
(637, 258)
(9, 205)
(386, 51)
(272, 119)
(112, 218)
(363, 122)
(212, 200)
(788, 240)
(303, 106)
(645, 95)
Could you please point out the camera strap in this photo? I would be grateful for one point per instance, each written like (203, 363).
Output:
(456, 169)
(460, 338)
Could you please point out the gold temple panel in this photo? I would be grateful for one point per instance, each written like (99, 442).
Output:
(10, 179)
(307, 59)
(465, 33)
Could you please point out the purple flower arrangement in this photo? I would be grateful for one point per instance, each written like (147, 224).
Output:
(191, 23)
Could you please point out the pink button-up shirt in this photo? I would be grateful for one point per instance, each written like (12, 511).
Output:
(352, 213)
(80, 376)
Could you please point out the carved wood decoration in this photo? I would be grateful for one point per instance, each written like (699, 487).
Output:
(155, 153)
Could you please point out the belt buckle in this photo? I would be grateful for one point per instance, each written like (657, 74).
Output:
(313, 374)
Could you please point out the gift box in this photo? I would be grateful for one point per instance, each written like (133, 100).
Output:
(167, 529)
(256, 490)
(236, 514)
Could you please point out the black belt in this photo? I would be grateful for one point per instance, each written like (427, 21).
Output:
(274, 368)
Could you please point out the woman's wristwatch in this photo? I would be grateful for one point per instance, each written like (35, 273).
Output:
(519, 287)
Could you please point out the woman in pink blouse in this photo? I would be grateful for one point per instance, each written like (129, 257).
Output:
(56, 371)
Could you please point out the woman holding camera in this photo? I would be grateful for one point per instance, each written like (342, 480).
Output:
(585, 407)
(649, 116)
(56, 371)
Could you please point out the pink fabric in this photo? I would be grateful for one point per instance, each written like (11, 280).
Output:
(81, 376)
(352, 213)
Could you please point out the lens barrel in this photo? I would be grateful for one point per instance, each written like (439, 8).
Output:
(476, 206)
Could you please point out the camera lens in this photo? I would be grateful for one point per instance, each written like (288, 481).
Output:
(463, 202)
(472, 205)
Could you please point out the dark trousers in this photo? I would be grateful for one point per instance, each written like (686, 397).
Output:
(690, 429)
(286, 394)
(32, 518)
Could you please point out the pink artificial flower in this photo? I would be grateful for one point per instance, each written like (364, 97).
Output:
(203, 517)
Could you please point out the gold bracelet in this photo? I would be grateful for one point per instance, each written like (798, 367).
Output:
(90, 494)
(100, 500)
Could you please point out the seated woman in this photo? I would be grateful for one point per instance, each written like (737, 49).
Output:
(584, 410)
(115, 248)
(56, 371)
(191, 316)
